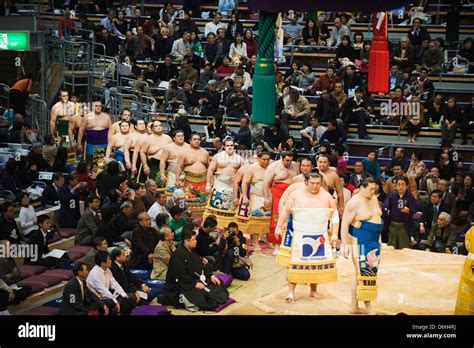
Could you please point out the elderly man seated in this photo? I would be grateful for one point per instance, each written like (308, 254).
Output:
(442, 237)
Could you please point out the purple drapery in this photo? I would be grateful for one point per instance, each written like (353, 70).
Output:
(326, 5)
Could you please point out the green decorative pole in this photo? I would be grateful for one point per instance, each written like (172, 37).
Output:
(263, 85)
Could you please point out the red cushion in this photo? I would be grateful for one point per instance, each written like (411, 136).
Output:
(47, 281)
(31, 270)
(67, 232)
(63, 274)
(42, 310)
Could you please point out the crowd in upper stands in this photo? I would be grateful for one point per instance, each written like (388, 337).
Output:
(132, 226)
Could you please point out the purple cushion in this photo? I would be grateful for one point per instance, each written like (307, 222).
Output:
(149, 310)
(47, 281)
(30, 270)
(222, 306)
(226, 279)
(63, 274)
(74, 255)
(35, 287)
(67, 232)
(143, 274)
(83, 249)
(42, 310)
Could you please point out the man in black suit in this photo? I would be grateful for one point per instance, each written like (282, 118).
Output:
(77, 298)
(355, 110)
(167, 70)
(41, 238)
(431, 213)
(127, 280)
(51, 192)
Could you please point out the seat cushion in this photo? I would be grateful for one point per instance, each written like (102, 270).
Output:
(42, 310)
(150, 310)
(224, 305)
(74, 255)
(143, 274)
(54, 303)
(30, 270)
(83, 249)
(47, 281)
(35, 287)
(226, 279)
(67, 232)
(63, 274)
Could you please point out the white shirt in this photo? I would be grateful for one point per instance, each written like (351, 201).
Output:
(156, 209)
(101, 282)
(247, 80)
(27, 219)
(237, 51)
(212, 27)
(319, 131)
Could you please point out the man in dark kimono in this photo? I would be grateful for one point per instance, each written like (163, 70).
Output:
(188, 282)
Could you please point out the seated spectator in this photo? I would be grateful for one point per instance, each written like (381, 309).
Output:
(8, 227)
(27, 215)
(371, 165)
(188, 279)
(188, 73)
(225, 70)
(433, 58)
(413, 126)
(403, 54)
(112, 202)
(243, 137)
(88, 223)
(36, 160)
(162, 254)
(163, 43)
(9, 275)
(351, 81)
(355, 110)
(129, 282)
(210, 100)
(211, 49)
(161, 220)
(390, 185)
(109, 24)
(100, 244)
(84, 174)
(235, 260)
(181, 46)
(8, 180)
(338, 151)
(442, 237)
(187, 24)
(121, 23)
(207, 240)
(296, 107)
(431, 212)
(310, 33)
(124, 221)
(417, 33)
(324, 33)
(345, 50)
(66, 25)
(159, 207)
(292, 30)
(334, 134)
(149, 197)
(151, 75)
(327, 80)
(50, 195)
(110, 42)
(467, 52)
(398, 158)
(395, 79)
(77, 298)
(311, 135)
(240, 73)
(435, 108)
(69, 195)
(144, 240)
(103, 284)
(174, 97)
(338, 32)
(423, 87)
(251, 43)
(289, 145)
(137, 21)
(273, 136)
(238, 104)
(207, 74)
(146, 42)
(358, 176)
(109, 179)
(452, 120)
(215, 24)
(305, 77)
(327, 108)
(167, 70)
(177, 222)
(429, 182)
(40, 239)
(238, 49)
(177, 199)
(417, 167)
(339, 94)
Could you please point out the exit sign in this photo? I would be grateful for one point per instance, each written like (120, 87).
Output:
(14, 40)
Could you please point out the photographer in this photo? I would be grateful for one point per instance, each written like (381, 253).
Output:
(208, 240)
(69, 211)
(235, 260)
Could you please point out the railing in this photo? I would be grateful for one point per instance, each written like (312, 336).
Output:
(40, 116)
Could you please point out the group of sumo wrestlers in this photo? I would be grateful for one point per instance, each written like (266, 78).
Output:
(288, 201)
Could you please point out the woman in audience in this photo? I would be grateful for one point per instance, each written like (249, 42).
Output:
(358, 44)
(417, 167)
(225, 70)
(27, 214)
(238, 49)
(305, 77)
(371, 165)
(196, 44)
(251, 43)
(109, 179)
(293, 72)
(289, 145)
(84, 174)
(345, 50)
(310, 33)
(233, 28)
(121, 23)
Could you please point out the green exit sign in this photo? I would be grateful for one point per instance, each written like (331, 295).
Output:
(14, 40)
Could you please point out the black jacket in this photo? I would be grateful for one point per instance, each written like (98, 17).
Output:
(127, 280)
(69, 213)
(143, 244)
(167, 73)
(50, 195)
(72, 301)
(122, 224)
(36, 238)
(428, 212)
(327, 109)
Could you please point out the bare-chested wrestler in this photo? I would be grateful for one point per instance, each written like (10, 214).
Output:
(361, 230)
(95, 126)
(219, 184)
(150, 153)
(253, 199)
(117, 142)
(277, 178)
(61, 115)
(332, 180)
(194, 163)
(131, 149)
(125, 116)
(169, 159)
(76, 120)
(308, 211)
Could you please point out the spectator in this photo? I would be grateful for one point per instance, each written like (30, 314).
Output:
(225, 70)
(338, 32)
(345, 50)
(187, 24)
(417, 34)
(297, 107)
(88, 223)
(109, 24)
(50, 195)
(211, 49)
(188, 73)
(400, 208)
(177, 222)
(311, 135)
(358, 176)
(146, 42)
(355, 110)
(121, 23)
(339, 94)
(467, 52)
(293, 30)
(324, 33)
(399, 158)
(328, 81)
(131, 46)
(66, 26)
(390, 185)
(149, 197)
(207, 74)
(446, 167)
(310, 33)
(77, 298)
(8, 179)
(174, 96)
(305, 77)
(112, 202)
(8, 227)
(451, 121)
(69, 194)
(181, 46)
(163, 43)
(251, 43)
(162, 254)
(358, 43)
(223, 45)
(238, 49)
(110, 43)
(417, 167)
(145, 239)
(167, 70)
(239, 72)
(413, 126)
(351, 81)
(27, 214)
(334, 134)
(430, 181)
(235, 260)
(433, 58)
(40, 239)
(431, 213)
(36, 160)
(84, 174)
(103, 284)
(215, 25)
(109, 179)
(159, 207)
(273, 136)
(394, 78)
(442, 237)
(403, 54)
(208, 240)
(129, 282)
(100, 244)
(19, 93)
(371, 165)
(238, 104)
(234, 27)
(151, 75)
(124, 222)
(243, 136)
(327, 108)
(338, 151)
(138, 21)
(8, 8)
